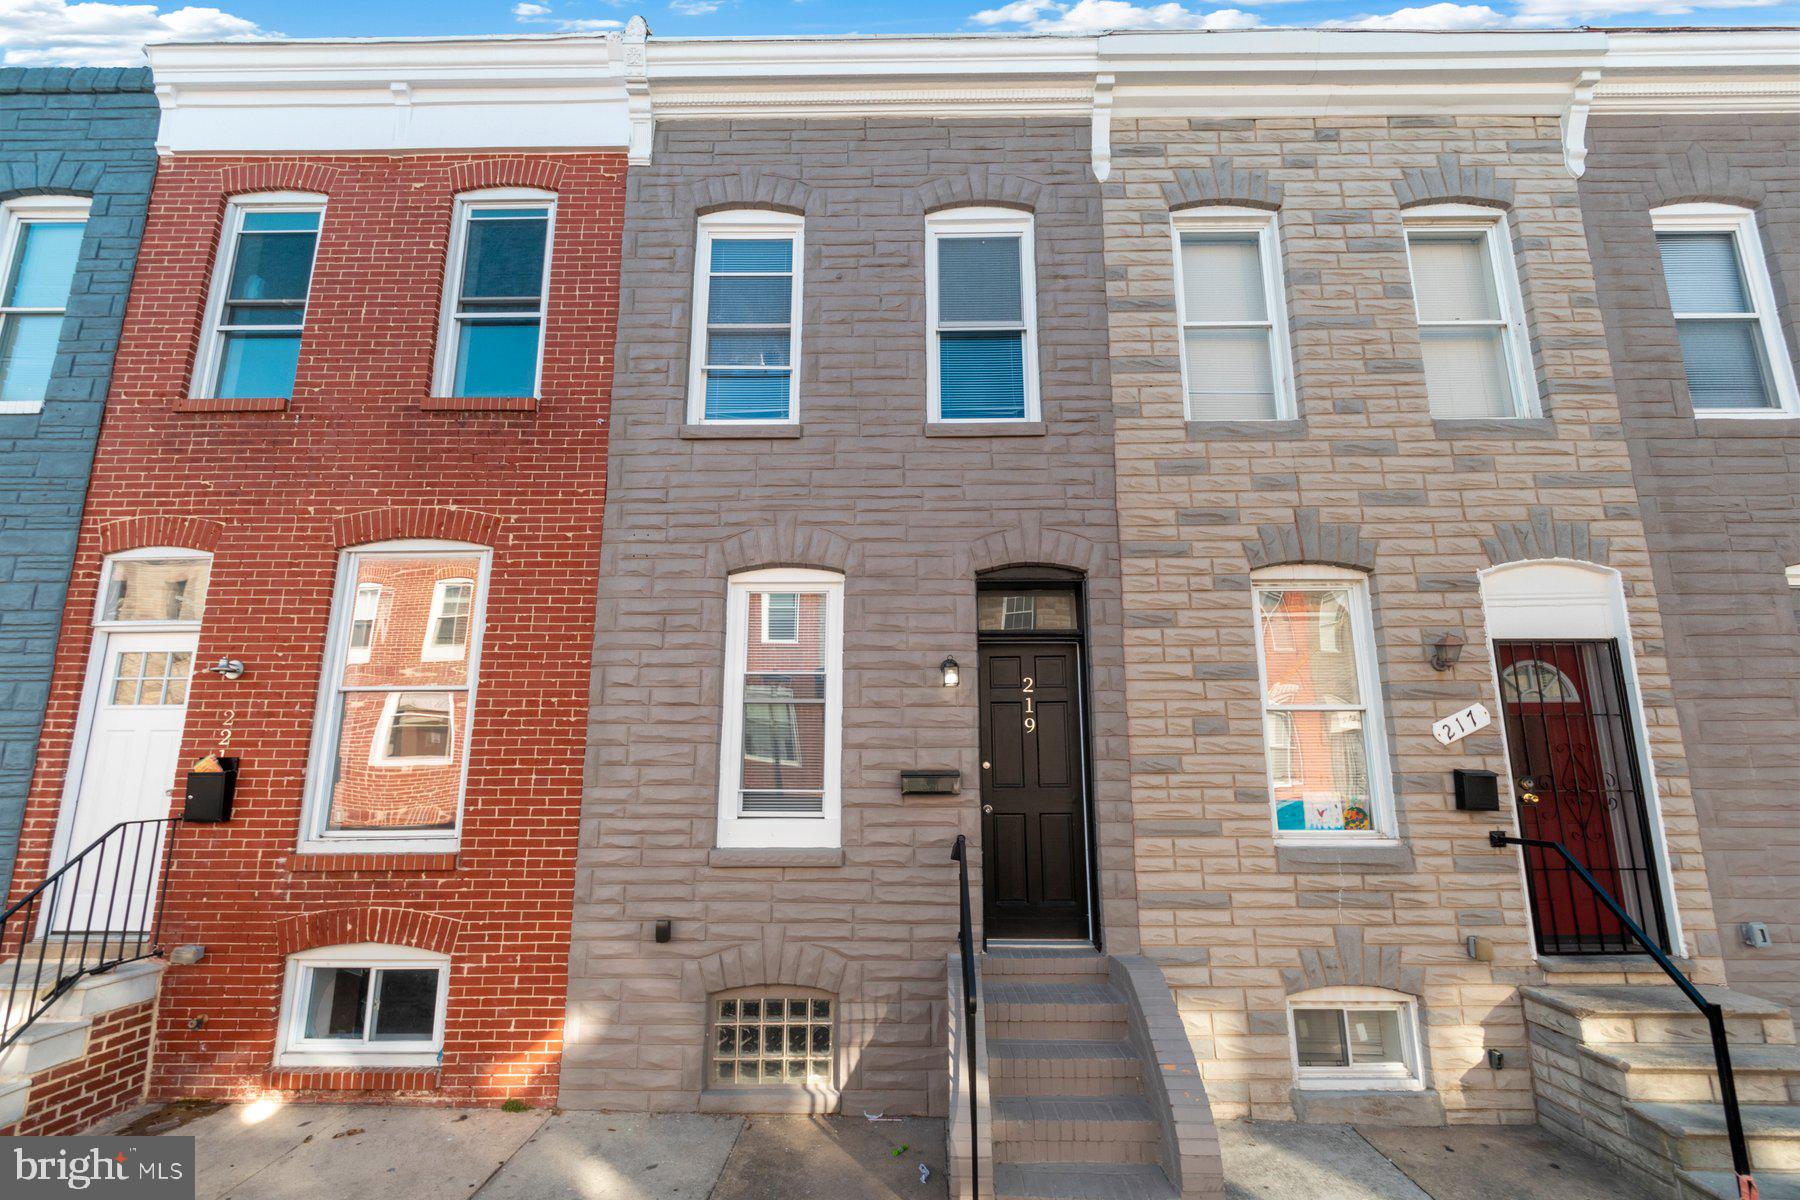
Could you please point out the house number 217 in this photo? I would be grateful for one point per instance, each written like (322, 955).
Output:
(1030, 705)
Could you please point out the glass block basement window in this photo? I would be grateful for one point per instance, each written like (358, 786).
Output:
(784, 1040)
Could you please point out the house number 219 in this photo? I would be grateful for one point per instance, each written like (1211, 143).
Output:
(1030, 705)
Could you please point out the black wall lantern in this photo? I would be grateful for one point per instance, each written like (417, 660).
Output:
(1446, 650)
(952, 672)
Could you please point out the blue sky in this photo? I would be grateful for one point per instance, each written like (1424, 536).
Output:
(43, 32)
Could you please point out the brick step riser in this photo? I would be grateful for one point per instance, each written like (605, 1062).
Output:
(1061, 1078)
(1050, 1030)
(1048, 1148)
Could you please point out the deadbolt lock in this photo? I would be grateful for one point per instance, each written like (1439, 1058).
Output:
(987, 808)
(1528, 791)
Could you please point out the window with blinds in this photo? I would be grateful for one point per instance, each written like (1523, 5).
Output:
(746, 338)
(1477, 361)
(982, 313)
(1234, 342)
(1725, 347)
(781, 739)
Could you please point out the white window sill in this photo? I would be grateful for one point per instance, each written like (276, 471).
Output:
(1745, 414)
(1357, 1083)
(349, 845)
(355, 1060)
(1329, 842)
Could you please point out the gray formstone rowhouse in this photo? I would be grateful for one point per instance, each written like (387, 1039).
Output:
(1720, 499)
(86, 133)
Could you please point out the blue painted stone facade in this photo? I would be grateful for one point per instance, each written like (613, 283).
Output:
(82, 132)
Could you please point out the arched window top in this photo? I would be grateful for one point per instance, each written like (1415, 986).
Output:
(1341, 994)
(1708, 208)
(1308, 573)
(1534, 681)
(154, 585)
(500, 195)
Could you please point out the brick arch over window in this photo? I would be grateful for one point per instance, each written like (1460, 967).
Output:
(1352, 963)
(773, 962)
(386, 524)
(748, 188)
(1029, 544)
(49, 179)
(135, 533)
(1699, 177)
(1451, 181)
(1221, 183)
(1544, 535)
(517, 172)
(1310, 540)
(786, 543)
(360, 923)
(979, 186)
(278, 177)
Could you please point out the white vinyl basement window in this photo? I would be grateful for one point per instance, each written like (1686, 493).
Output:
(1323, 728)
(1731, 344)
(496, 292)
(1471, 314)
(782, 730)
(1356, 1038)
(40, 245)
(257, 311)
(1235, 359)
(981, 307)
(365, 1005)
(747, 318)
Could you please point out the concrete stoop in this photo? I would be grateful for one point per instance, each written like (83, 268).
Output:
(1094, 1091)
(1627, 1073)
(61, 1035)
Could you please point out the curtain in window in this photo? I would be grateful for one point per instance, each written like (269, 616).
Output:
(1721, 338)
(1461, 325)
(749, 336)
(1228, 339)
(981, 331)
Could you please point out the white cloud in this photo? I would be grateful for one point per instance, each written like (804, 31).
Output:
(1093, 16)
(1562, 13)
(522, 11)
(48, 33)
(694, 8)
(1431, 17)
(529, 13)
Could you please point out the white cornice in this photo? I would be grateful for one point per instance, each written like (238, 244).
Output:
(1700, 71)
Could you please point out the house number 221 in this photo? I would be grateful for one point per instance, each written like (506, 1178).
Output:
(1030, 705)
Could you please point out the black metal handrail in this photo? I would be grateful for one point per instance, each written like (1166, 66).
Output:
(124, 936)
(1715, 1015)
(959, 853)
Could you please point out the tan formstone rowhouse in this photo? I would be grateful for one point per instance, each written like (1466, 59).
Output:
(1363, 478)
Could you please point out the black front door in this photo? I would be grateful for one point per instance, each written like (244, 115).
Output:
(1034, 862)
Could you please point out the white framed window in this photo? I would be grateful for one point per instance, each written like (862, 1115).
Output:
(1724, 305)
(1324, 732)
(256, 310)
(363, 1005)
(782, 731)
(1355, 1037)
(772, 1037)
(1236, 363)
(746, 342)
(390, 751)
(496, 294)
(1471, 313)
(981, 313)
(40, 245)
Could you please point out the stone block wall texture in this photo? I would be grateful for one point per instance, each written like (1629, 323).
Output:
(908, 518)
(88, 133)
(1721, 507)
(360, 456)
(1364, 478)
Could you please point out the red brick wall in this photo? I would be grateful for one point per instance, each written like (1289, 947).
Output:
(106, 1080)
(359, 455)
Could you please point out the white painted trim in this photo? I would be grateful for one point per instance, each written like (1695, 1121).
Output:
(1699, 71)
(294, 1049)
(1740, 223)
(735, 831)
(1492, 226)
(1409, 1077)
(15, 215)
(314, 836)
(744, 223)
(1384, 824)
(978, 222)
(432, 651)
(449, 331)
(207, 362)
(1265, 225)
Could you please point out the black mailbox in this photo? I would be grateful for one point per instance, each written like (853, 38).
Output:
(209, 794)
(930, 783)
(1477, 791)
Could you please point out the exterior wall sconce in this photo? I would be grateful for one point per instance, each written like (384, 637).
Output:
(227, 668)
(1446, 651)
(952, 672)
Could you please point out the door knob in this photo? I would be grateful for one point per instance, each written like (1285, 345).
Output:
(987, 808)
(986, 765)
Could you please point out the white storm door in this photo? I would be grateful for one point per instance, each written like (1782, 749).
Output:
(134, 722)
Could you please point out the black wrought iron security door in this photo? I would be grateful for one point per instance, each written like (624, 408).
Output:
(1576, 769)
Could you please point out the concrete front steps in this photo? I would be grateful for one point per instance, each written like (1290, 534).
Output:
(61, 1035)
(1628, 1072)
(1068, 1056)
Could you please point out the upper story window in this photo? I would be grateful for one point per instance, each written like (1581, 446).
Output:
(1235, 358)
(1724, 306)
(981, 302)
(747, 323)
(390, 752)
(782, 735)
(1322, 721)
(496, 292)
(40, 243)
(257, 312)
(365, 1005)
(1356, 1037)
(1471, 314)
